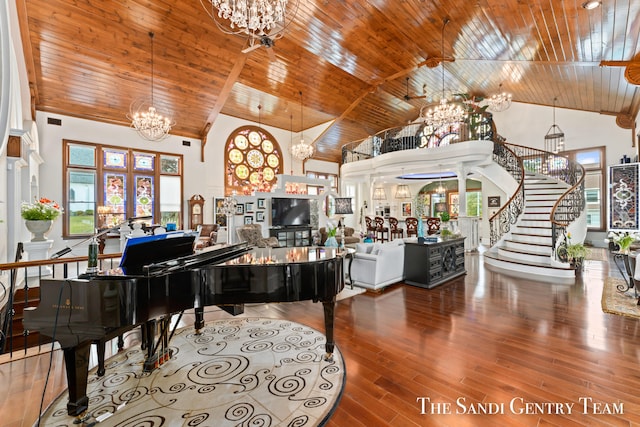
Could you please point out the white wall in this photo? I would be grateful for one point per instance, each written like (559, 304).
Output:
(525, 124)
(204, 178)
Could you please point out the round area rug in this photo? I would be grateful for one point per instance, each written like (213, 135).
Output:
(237, 372)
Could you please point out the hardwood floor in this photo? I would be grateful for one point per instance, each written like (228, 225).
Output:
(484, 342)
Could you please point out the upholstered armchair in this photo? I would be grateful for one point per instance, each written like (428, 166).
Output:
(376, 265)
(349, 238)
(208, 235)
(252, 234)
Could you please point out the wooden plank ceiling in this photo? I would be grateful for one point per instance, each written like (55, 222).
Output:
(350, 59)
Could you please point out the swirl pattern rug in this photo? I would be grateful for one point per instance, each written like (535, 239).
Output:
(237, 372)
(615, 300)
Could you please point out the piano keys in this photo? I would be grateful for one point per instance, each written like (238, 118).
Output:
(93, 309)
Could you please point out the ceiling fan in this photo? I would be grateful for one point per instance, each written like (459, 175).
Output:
(262, 41)
(408, 97)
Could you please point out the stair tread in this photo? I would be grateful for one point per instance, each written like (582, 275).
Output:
(498, 257)
(531, 234)
(528, 243)
(516, 251)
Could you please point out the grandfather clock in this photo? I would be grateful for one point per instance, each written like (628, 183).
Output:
(196, 204)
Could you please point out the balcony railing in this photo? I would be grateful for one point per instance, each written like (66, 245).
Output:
(478, 126)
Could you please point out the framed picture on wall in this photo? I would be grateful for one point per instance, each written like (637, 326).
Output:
(454, 204)
(493, 201)
(405, 208)
(218, 216)
(259, 216)
(261, 204)
(248, 207)
(239, 209)
(248, 219)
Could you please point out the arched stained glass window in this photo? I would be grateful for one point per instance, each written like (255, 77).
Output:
(253, 158)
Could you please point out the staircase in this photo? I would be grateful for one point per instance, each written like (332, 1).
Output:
(527, 249)
(16, 339)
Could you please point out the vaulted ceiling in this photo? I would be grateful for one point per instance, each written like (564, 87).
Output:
(350, 58)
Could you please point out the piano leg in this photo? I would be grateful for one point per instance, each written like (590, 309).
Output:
(76, 361)
(329, 315)
(199, 323)
(100, 348)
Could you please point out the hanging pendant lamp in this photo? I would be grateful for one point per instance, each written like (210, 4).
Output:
(145, 118)
(554, 139)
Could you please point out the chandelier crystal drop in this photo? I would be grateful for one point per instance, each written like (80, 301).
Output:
(145, 118)
(302, 151)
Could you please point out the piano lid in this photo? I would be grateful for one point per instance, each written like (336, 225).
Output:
(275, 256)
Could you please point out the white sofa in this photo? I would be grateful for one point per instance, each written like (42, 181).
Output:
(376, 265)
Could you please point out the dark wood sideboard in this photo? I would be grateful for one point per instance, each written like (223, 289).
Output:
(431, 264)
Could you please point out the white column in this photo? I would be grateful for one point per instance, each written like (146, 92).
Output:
(462, 191)
(15, 224)
(38, 251)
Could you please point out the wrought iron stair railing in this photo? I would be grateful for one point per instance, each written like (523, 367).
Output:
(500, 223)
(571, 203)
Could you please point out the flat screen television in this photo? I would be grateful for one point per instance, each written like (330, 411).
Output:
(286, 212)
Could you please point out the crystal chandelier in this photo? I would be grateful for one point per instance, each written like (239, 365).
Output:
(554, 139)
(257, 18)
(445, 114)
(301, 151)
(499, 101)
(144, 117)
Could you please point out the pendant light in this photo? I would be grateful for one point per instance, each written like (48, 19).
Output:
(554, 139)
(145, 118)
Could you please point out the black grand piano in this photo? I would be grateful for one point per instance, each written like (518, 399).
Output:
(150, 289)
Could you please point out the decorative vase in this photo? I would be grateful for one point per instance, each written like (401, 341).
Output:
(420, 228)
(38, 228)
(331, 242)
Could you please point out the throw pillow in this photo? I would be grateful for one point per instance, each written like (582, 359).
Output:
(376, 248)
(364, 248)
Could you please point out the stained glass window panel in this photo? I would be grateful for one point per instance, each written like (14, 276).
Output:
(115, 159)
(114, 204)
(143, 162)
(144, 196)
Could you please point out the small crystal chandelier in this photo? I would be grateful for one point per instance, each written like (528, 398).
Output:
(445, 114)
(144, 117)
(499, 101)
(440, 189)
(554, 139)
(302, 151)
(257, 18)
